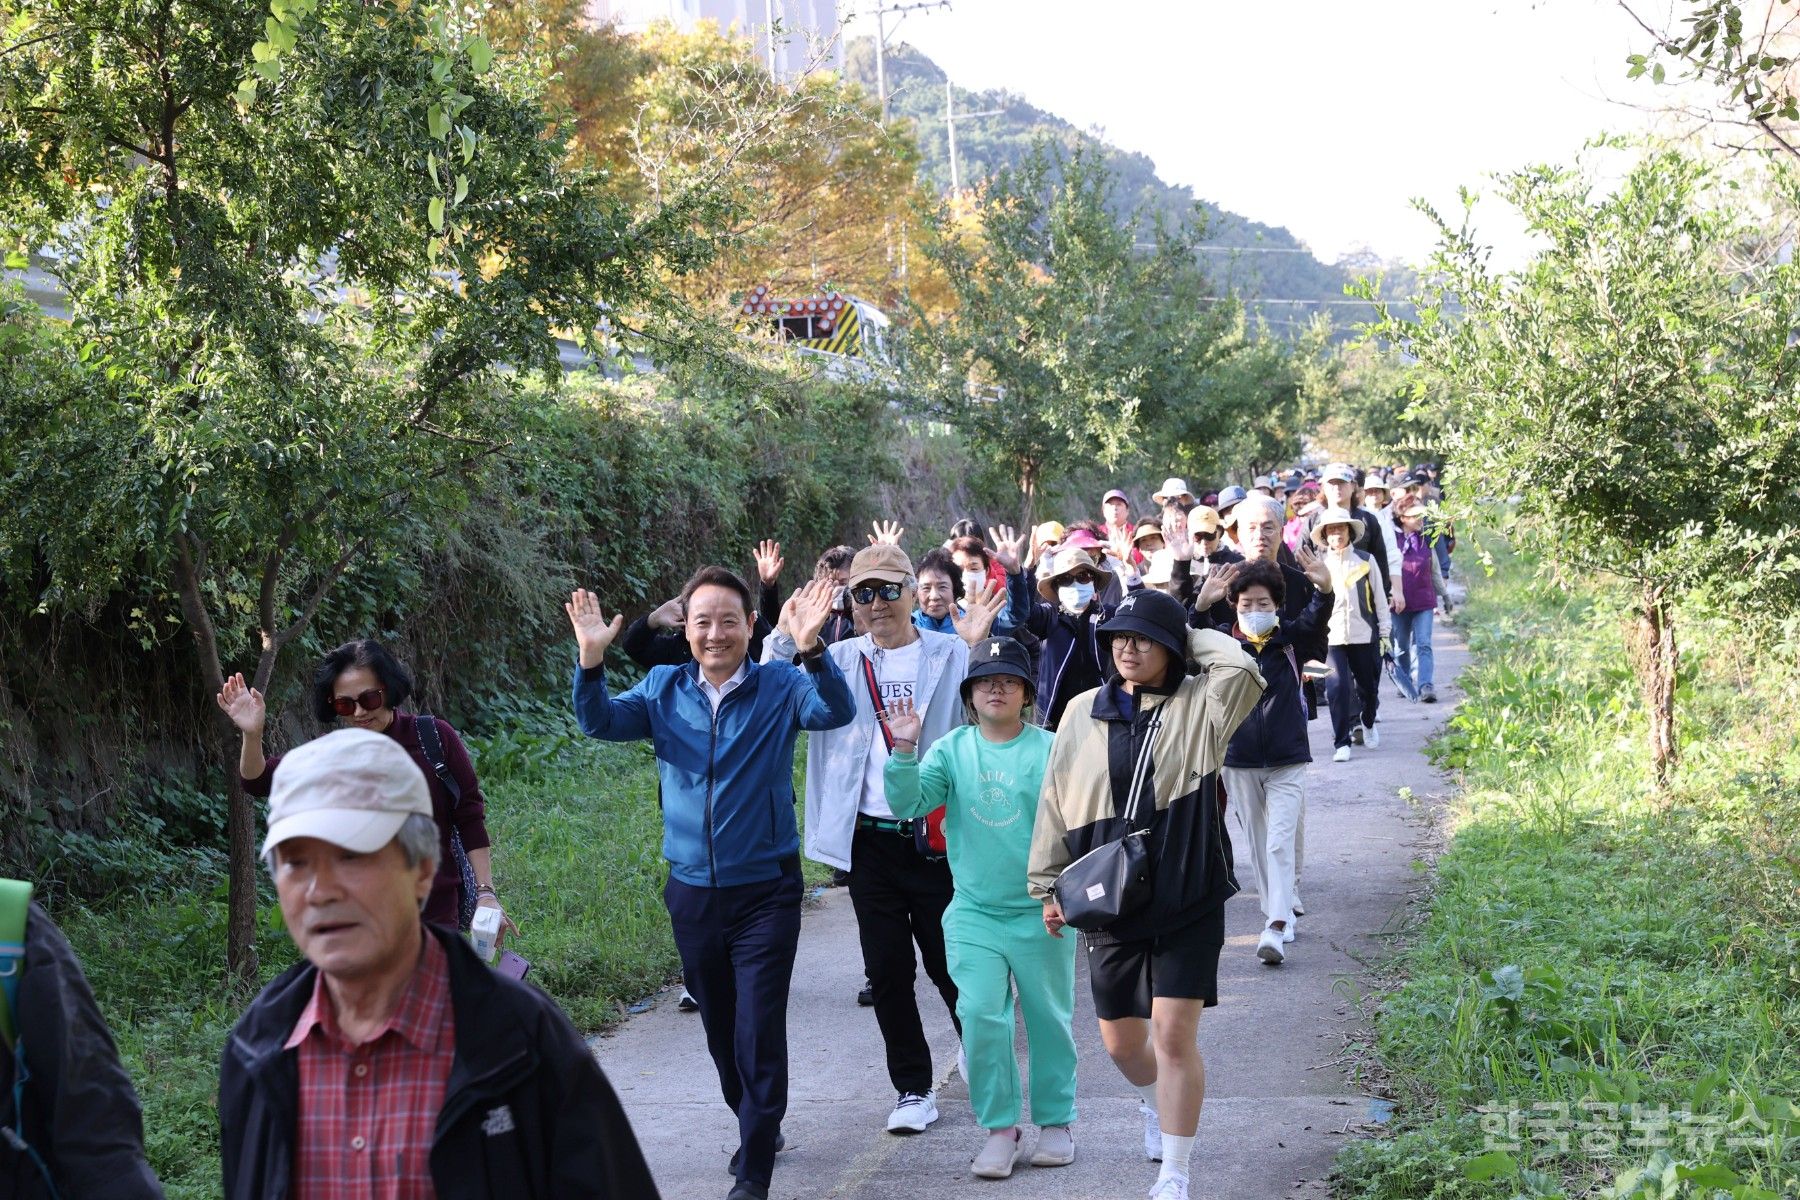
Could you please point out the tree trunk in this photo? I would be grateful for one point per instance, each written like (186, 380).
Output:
(1659, 663)
(240, 818)
(1028, 481)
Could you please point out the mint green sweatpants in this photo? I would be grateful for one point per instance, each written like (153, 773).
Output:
(988, 952)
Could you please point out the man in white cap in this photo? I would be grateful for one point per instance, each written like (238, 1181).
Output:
(392, 1055)
(1173, 488)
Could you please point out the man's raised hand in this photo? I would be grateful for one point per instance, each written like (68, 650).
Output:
(981, 608)
(806, 612)
(768, 562)
(667, 615)
(904, 721)
(1008, 546)
(887, 533)
(593, 632)
(244, 705)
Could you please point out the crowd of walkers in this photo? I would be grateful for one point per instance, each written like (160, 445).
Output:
(1013, 736)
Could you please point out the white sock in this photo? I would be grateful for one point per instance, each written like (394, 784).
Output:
(1148, 1092)
(1176, 1152)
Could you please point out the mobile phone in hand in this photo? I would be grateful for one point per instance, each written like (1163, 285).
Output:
(513, 966)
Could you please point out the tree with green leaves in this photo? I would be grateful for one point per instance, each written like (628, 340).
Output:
(310, 250)
(1072, 329)
(1636, 385)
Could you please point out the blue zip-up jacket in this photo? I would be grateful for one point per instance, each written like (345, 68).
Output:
(727, 780)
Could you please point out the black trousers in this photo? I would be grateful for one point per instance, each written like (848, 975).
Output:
(737, 956)
(1354, 688)
(900, 897)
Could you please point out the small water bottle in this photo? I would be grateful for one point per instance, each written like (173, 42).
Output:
(484, 932)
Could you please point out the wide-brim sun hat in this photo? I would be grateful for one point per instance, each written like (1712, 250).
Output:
(1155, 615)
(1069, 560)
(1161, 569)
(1336, 516)
(1173, 488)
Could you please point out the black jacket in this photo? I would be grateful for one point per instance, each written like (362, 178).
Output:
(1274, 734)
(527, 1115)
(81, 1114)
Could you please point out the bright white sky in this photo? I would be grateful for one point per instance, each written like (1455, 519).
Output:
(1324, 116)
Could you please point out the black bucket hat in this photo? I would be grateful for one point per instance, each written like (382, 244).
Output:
(996, 656)
(1155, 615)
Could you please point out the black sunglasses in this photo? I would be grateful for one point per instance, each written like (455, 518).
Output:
(867, 592)
(369, 701)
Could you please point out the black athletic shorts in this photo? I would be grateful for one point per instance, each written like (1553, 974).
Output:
(1182, 964)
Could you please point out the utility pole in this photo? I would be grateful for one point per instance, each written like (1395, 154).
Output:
(951, 117)
(881, 12)
(769, 36)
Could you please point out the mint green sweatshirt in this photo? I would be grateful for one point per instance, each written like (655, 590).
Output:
(990, 790)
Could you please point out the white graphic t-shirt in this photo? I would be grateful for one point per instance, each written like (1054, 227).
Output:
(896, 673)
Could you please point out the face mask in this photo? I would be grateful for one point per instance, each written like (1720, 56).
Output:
(1258, 624)
(972, 580)
(1075, 596)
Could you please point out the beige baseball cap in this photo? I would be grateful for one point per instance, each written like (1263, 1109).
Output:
(353, 788)
(882, 563)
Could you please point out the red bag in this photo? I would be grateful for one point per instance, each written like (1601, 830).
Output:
(928, 832)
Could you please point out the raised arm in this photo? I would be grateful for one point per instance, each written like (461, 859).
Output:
(1232, 681)
(626, 719)
(826, 701)
(915, 785)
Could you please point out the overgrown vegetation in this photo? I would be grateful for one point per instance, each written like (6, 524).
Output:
(1602, 965)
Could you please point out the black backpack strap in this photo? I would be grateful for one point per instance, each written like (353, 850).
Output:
(433, 746)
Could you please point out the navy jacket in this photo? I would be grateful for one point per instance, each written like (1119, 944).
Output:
(528, 1114)
(727, 778)
(1274, 734)
(1071, 660)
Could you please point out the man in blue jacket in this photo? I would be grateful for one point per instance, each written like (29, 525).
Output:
(724, 730)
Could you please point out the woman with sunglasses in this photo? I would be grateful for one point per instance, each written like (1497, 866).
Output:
(1156, 733)
(362, 685)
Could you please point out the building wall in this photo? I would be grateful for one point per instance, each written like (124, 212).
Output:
(809, 28)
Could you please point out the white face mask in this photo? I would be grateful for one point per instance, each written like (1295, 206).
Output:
(1075, 596)
(971, 581)
(1258, 624)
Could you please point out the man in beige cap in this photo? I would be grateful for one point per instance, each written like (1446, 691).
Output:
(392, 1052)
(899, 878)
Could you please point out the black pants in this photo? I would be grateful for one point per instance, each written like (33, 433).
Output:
(1354, 688)
(900, 897)
(737, 956)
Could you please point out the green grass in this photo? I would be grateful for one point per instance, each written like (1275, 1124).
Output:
(578, 862)
(1588, 941)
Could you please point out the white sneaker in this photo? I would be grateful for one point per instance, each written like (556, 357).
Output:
(1172, 1188)
(1269, 948)
(913, 1113)
(1004, 1149)
(1152, 1133)
(1299, 908)
(1287, 933)
(1371, 737)
(1342, 754)
(1055, 1147)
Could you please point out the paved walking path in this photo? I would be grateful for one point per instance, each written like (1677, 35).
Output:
(1278, 1105)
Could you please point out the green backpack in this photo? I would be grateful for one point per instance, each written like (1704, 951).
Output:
(15, 902)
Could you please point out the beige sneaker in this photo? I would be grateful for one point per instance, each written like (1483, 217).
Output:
(1004, 1149)
(1055, 1147)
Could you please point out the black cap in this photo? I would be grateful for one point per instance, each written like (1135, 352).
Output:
(996, 656)
(1155, 615)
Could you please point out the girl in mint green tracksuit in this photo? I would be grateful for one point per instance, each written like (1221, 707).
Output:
(987, 775)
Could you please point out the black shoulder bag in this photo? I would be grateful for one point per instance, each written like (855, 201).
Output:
(433, 746)
(1113, 881)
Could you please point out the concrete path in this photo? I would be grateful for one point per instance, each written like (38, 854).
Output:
(1278, 1106)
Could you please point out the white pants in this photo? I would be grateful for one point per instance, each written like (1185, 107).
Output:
(1270, 803)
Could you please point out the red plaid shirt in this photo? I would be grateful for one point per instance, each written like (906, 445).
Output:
(368, 1112)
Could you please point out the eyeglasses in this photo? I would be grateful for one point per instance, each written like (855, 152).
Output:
(866, 593)
(369, 701)
(1208, 537)
(1137, 643)
(999, 683)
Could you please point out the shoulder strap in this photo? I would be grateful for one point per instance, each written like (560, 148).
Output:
(887, 735)
(1140, 771)
(15, 904)
(433, 745)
